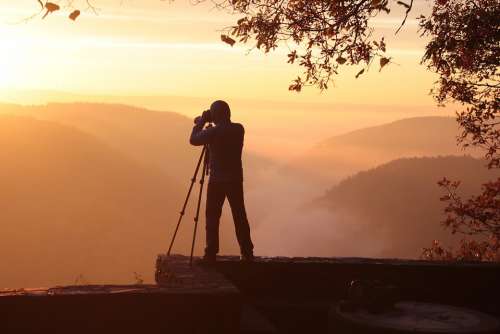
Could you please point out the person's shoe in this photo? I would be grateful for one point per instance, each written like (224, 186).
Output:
(207, 260)
(247, 258)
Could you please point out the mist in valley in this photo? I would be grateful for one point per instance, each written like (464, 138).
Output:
(94, 190)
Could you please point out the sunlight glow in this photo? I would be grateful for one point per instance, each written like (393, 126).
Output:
(9, 59)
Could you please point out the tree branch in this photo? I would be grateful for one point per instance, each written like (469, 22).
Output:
(408, 9)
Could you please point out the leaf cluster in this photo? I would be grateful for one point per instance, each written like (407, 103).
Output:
(322, 35)
(476, 217)
(464, 51)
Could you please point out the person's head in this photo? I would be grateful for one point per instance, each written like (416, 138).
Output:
(220, 111)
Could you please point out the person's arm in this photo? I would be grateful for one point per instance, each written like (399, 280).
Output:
(200, 136)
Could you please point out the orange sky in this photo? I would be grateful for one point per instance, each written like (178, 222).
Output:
(155, 47)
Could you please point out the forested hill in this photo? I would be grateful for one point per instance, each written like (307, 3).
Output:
(344, 155)
(397, 205)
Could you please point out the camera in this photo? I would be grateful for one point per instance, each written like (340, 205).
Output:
(207, 116)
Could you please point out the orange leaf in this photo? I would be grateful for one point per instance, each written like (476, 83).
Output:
(74, 14)
(52, 7)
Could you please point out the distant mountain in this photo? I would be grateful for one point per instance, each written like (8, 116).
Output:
(344, 155)
(153, 138)
(156, 139)
(419, 135)
(395, 208)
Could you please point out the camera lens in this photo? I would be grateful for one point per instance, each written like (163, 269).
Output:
(207, 116)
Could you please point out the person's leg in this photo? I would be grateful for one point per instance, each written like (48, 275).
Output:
(215, 201)
(236, 200)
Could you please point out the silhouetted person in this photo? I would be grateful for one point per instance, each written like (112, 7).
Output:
(225, 145)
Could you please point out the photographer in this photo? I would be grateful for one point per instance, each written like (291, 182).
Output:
(225, 145)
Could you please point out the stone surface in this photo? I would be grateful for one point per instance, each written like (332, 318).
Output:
(196, 302)
(253, 322)
(470, 284)
(174, 271)
(293, 294)
(414, 317)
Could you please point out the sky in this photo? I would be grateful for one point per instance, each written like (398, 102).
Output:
(158, 47)
(173, 48)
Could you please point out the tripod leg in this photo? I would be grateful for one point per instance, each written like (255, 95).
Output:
(183, 211)
(196, 218)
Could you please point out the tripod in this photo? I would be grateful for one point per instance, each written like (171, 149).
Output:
(203, 159)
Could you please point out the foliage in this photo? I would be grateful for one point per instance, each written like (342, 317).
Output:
(479, 216)
(322, 35)
(469, 251)
(465, 51)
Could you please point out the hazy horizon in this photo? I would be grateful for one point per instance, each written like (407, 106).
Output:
(275, 127)
(63, 153)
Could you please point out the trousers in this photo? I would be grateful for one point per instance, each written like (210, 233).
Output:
(216, 195)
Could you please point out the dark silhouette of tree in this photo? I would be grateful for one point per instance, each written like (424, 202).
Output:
(478, 218)
(322, 35)
(465, 51)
